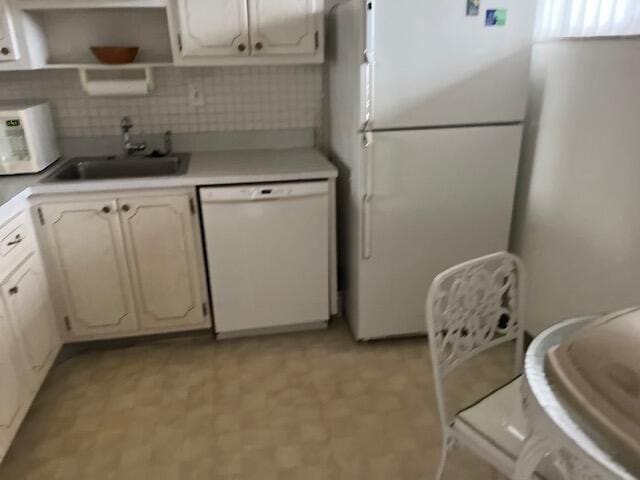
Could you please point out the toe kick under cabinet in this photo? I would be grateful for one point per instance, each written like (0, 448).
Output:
(125, 263)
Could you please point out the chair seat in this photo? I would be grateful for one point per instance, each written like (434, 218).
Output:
(495, 428)
(498, 417)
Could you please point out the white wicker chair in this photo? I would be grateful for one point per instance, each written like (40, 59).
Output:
(470, 308)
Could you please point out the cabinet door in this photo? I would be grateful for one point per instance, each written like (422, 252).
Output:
(284, 27)
(31, 316)
(214, 27)
(13, 387)
(161, 245)
(8, 47)
(85, 239)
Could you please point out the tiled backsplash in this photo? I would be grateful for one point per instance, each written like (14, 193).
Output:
(235, 98)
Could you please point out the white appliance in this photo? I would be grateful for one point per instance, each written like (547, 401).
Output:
(427, 99)
(268, 255)
(27, 137)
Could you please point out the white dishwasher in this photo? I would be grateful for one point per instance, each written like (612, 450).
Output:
(268, 255)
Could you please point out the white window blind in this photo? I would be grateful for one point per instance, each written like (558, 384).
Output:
(587, 18)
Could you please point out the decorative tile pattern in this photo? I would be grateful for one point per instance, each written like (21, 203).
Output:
(235, 98)
(303, 406)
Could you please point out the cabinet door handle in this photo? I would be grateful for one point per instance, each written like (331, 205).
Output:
(242, 47)
(126, 208)
(13, 290)
(259, 45)
(15, 241)
(5, 51)
(106, 209)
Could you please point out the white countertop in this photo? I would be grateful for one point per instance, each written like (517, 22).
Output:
(205, 168)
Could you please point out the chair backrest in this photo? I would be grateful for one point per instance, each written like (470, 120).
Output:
(472, 307)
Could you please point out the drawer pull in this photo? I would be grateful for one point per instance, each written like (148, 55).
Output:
(13, 290)
(15, 241)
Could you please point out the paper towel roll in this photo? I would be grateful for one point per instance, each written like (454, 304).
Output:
(117, 87)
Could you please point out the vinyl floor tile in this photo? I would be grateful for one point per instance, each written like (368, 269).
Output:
(307, 406)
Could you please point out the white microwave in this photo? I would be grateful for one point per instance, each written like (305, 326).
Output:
(27, 137)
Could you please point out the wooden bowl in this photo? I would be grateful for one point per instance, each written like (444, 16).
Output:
(115, 55)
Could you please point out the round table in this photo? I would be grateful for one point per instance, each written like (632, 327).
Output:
(552, 427)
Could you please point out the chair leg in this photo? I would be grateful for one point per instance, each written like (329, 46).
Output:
(533, 450)
(446, 445)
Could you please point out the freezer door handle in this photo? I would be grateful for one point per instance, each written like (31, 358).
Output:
(366, 226)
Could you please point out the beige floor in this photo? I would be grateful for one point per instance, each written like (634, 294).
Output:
(307, 406)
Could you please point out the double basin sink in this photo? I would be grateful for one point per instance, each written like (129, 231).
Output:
(103, 168)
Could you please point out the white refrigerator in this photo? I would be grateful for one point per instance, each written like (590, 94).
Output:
(426, 104)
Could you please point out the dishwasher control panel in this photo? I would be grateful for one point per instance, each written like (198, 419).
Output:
(263, 191)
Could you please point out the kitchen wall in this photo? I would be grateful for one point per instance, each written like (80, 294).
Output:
(577, 215)
(235, 99)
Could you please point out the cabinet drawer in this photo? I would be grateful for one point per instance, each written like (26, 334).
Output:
(15, 241)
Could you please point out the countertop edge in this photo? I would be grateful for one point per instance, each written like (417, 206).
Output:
(319, 168)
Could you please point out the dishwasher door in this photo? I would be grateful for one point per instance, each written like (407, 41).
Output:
(268, 254)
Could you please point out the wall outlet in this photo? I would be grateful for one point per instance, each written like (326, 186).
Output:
(196, 98)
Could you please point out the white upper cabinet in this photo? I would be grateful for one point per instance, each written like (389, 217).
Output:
(31, 314)
(284, 27)
(8, 43)
(246, 32)
(35, 33)
(22, 47)
(161, 246)
(214, 27)
(85, 239)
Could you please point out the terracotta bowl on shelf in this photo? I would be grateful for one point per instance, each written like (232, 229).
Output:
(115, 55)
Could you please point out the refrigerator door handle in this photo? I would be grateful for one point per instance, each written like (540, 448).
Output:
(367, 198)
(368, 57)
(366, 225)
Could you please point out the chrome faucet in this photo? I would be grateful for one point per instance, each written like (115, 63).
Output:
(130, 148)
(168, 143)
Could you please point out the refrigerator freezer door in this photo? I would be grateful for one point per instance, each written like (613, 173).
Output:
(434, 65)
(439, 197)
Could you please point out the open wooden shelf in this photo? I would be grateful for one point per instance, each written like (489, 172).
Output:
(103, 66)
(145, 28)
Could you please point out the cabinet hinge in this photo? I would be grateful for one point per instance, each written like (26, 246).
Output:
(40, 216)
(205, 310)
(179, 41)
(67, 323)
(192, 206)
(317, 39)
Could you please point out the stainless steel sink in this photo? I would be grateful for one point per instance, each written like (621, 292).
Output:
(102, 168)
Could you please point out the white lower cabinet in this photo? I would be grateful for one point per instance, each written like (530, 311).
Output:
(127, 265)
(85, 238)
(124, 265)
(14, 386)
(29, 340)
(161, 249)
(32, 318)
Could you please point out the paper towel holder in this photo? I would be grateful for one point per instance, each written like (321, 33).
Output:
(117, 87)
